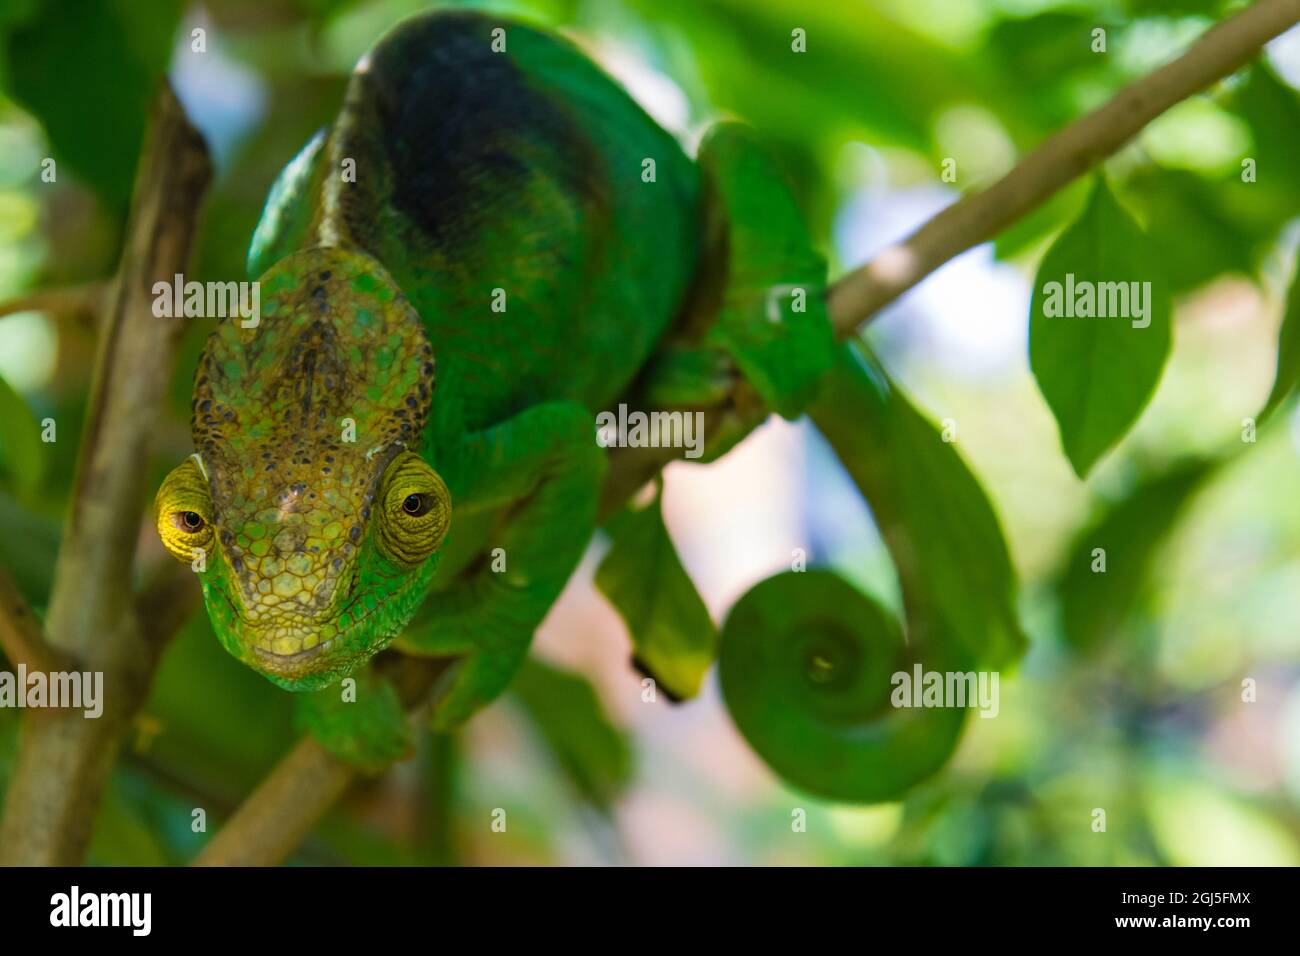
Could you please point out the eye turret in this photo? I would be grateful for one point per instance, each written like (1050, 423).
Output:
(414, 510)
(185, 512)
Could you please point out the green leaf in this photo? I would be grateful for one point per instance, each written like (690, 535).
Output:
(22, 459)
(1288, 350)
(1097, 372)
(197, 679)
(941, 529)
(361, 723)
(566, 711)
(673, 637)
(1272, 108)
(88, 69)
(1095, 604)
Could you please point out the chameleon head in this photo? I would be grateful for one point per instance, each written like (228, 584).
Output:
(311, 517)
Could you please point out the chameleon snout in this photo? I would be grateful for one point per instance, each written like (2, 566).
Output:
(292, 601)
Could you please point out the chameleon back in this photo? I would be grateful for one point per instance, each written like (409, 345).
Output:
(504, 192)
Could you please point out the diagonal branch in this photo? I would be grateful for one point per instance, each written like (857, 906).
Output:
(64, 756)
(282, 810)
(1059, 160)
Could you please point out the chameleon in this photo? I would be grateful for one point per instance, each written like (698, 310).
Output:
(490, 243)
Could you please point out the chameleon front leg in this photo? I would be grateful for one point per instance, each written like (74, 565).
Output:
(545, 467)
(359, 720)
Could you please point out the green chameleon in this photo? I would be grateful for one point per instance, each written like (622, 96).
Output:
(489, 245)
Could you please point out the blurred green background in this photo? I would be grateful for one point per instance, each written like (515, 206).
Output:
(1130, 697)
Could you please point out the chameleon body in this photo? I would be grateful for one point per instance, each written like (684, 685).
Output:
(484, 249)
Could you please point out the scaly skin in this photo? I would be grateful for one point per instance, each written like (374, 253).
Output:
(483, 180)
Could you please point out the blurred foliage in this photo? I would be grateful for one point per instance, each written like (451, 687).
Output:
(1288, 350)
(1109, 565)
(108, 64)
(1203, 555)
(21, 461)
(571, 720)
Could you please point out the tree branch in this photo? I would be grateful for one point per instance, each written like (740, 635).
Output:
(1060, 159)
(282, 810)
(63, 756)
(82, 302)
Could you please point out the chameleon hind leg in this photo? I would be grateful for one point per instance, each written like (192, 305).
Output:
(759, 295)
(544, 467)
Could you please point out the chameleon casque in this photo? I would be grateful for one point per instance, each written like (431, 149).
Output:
(384, 428)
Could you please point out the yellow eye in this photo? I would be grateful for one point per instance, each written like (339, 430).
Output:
(185, 512)
(414, 510)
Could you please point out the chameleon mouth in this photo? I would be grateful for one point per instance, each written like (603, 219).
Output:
(282, 652)
(295, 665)
(296, 651)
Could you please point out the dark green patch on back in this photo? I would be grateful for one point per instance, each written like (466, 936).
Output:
(460, 123)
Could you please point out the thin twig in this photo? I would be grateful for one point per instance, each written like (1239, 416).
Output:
(81, 302)
(21, 636)
(1058, 161)
(63, 756)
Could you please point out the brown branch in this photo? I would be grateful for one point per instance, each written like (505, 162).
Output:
(21, 636)
(1058, 161)
(64, 757)
(81, 302)
(282, 810)
(308, 781)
